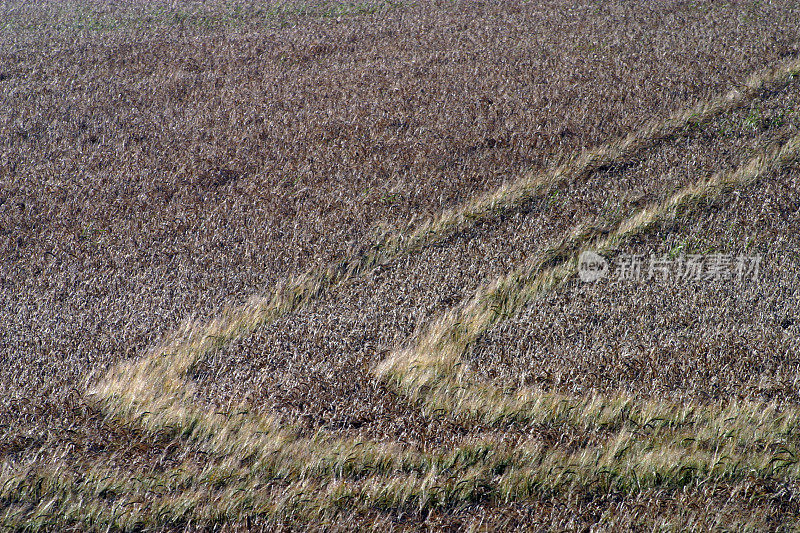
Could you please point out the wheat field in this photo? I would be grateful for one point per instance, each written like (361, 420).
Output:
(321, 265)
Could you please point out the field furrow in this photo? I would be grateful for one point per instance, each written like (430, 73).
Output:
(399, 265)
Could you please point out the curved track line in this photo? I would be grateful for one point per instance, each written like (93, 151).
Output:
(430, 370)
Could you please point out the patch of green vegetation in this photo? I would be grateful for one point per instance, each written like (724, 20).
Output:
(91, 234)
(678, 250)
(552, 198)
(748, 245)
(758, 120)
(390, 198)
(754, 120)
(693, 246)
(80, 16)
(694, 124)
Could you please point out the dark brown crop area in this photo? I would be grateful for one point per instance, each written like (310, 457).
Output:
(165, 164)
